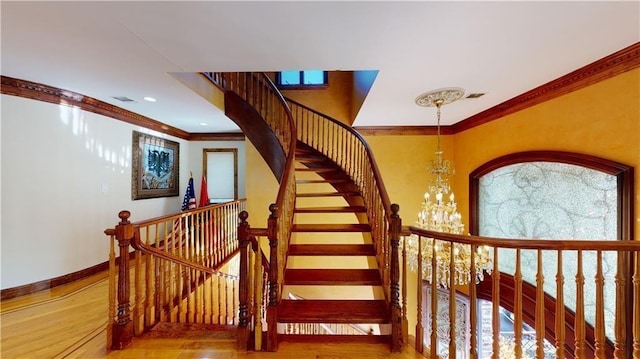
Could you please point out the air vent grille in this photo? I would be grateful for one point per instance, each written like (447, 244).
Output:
(123, 98)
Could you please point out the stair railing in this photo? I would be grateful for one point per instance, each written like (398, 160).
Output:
(183, 271)
(346, 147)
(254, 284)
(260, 92)
(563, 322)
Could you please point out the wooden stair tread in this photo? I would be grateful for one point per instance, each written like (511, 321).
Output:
(331, 227)
(316, 169)
(311, 158)
(333, 311)
(331, 250)
(337, 209)
(337, 180)
(332, 277)
(327, 194)
(336, 338)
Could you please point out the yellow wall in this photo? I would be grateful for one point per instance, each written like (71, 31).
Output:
(601, 120)
(335, 101)
(261, 187)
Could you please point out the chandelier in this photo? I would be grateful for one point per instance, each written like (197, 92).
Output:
(439, 213)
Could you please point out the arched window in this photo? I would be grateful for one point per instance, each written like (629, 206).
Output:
(553, 195)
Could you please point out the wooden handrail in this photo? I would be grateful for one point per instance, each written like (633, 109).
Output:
(543, 244)
(137, 244)
(376, 171)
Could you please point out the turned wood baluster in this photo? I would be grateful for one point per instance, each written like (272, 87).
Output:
(272, 309)
(434, 297)
(396, 313)
(636, 307)
(138, 309)
(540, 328)
(123, 328)
(419, 327)
(405, 321)
(599, 326)
(221, 295)
(495, 311)
(473, 306)
(243, 295)
(257, 302)
(452, 302)
(517, 324)
(579, 323)
(560, 325)
(620, 325)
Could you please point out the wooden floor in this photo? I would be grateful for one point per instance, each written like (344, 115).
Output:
(69, 322)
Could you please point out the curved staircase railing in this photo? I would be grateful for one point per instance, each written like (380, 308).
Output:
(259, 92)
(346, 147)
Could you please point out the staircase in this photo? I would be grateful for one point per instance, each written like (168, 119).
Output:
(331, 259)
(330, 253)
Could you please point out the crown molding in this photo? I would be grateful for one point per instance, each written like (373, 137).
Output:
(220, 136)
(619, 62)
(402, 130)
(46, 93)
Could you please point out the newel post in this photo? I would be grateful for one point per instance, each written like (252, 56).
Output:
(123, 326)
(243, 286)
(395, 227)
(272, 309)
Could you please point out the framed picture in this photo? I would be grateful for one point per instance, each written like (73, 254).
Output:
(155, 167)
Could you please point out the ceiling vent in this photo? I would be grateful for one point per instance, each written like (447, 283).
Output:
(475, 95)
(123, 98)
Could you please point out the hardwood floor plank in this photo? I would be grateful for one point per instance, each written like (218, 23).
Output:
(69, 322)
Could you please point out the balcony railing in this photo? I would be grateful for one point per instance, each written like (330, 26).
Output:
(568, 330)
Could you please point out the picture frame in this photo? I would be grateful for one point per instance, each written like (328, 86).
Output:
(155, 167)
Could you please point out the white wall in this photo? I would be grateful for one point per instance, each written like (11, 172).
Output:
(66, 173)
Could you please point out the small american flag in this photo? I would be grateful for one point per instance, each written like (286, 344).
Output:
(189, 201)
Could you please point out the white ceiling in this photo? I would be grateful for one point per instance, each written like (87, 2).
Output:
(120, 48)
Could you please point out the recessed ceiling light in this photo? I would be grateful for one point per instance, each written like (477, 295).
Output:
(203, 124)
(149, 98)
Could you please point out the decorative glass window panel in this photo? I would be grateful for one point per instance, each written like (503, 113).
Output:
(462, 333)
(507, 335)
(551, 200)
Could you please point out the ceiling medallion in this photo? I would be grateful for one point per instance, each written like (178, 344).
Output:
(441, 96)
